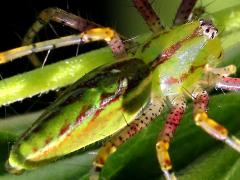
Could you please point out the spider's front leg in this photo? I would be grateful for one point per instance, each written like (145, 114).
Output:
(201, 104)
(149, 15)
(183, 12)
(149, 113)
(96, 34)
(57, 15)
(162, 146)
(228, 83)
(209, 125)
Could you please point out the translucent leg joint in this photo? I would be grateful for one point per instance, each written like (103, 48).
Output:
(168, 175)
(164, 159)
(106, 34)
(233, 142)
(97, 34)
(210, 126)
(224, 71)
(216, 130)
(100, 160)
(103, 154)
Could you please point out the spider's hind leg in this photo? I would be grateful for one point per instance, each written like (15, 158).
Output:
(149, 113)
(171, 124)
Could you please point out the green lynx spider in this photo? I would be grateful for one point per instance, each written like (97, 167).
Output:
(130, 90)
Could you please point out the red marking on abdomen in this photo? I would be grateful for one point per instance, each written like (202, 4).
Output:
(64, 129)
(34, 149)
(48, 140)
(82, 114)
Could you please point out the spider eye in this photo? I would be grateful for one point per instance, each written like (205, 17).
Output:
(208, 29)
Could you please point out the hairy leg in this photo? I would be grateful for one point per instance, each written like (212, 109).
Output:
(222, 81)
(148, 14)
(97, 34)
(162, 146)
(228, 83)
(183, 12)
(57, 15)
(209, 125)
(153, 109)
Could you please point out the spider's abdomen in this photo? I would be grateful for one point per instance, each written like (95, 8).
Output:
(98, 105)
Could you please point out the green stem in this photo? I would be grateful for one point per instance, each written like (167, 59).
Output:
(51, 77)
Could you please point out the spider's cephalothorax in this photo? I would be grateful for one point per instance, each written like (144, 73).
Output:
(208, 29)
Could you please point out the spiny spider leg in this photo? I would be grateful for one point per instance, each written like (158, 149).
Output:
(97, 34)
(228, 83)
(162, 146)
(149, 15)
(183, 12)
(149, 113)
(57, 15)
(222, 81)
(209, 125)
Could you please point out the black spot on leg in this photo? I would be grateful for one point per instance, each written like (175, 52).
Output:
(120, 138)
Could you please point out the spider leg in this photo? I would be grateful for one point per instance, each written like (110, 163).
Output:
(97, 34)
(149, 113)
(162, 146)
(149, 15)
(222, 81)
(223, 71)
(228, 83)
(183, 12)
(209, 125)
(57, 15)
